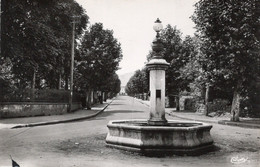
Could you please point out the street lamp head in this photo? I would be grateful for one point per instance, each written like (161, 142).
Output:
(157, 25)
(157, 44)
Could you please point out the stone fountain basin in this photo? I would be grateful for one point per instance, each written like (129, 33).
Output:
(176, 136)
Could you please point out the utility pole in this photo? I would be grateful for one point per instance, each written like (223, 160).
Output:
(72, 63)
(4, 4)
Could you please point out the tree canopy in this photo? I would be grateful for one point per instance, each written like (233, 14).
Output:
(229, 31)
(138, 83)
(37, 37)
(98, 59)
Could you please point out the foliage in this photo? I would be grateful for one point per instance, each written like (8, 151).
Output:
(32, 95)
(231, 50)
(138, 83)
(192, 72)
(229, 31)
(98, 59)
(189, 104)
(6, 84)
(37, 37)
(113, 85)
(219, 106)
(172, 53)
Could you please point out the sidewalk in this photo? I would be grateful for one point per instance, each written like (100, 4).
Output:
(54, 119)
(244, 122)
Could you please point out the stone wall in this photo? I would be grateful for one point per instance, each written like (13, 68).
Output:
(22, 109)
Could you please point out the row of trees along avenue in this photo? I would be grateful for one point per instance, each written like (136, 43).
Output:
(36, 48)
(220, 62)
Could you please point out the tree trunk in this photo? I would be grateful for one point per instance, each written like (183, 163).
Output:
(206, 111)
(37, 83)
(101, 98)
(66, 82)
(235, 109)
(59, 81)
(4, 8)
(33, 79)
(33, 84)
(105, 97)
(88, 99)
(177, 101)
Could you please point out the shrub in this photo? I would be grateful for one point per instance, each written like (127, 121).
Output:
(189, 104)
(219, 105)
(171, 101)
(249, 108)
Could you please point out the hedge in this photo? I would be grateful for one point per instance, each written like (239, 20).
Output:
(45, 95)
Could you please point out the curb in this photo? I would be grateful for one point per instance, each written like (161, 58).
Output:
(245, 125)
(62, 121)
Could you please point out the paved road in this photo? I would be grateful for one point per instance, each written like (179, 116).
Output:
(82, 144)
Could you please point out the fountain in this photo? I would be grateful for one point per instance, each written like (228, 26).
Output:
(157, 134)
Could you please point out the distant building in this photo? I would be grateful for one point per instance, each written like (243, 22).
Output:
(122, 91)
(124, 78)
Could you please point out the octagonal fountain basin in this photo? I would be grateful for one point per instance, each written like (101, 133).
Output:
(180, 137)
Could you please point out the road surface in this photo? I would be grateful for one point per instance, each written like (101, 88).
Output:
(81, 144)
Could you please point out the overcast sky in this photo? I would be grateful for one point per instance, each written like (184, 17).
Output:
(132, 22)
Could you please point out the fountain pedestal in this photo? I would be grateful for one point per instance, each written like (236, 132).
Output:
(157, 69)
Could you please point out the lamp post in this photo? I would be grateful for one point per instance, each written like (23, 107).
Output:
(157, 66)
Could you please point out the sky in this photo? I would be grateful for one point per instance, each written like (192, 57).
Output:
(132, 22)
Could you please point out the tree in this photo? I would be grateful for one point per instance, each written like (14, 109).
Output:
(194, 74)
(138, 83)
(113, 86)
(97, 59)
(230, 34)
(37, 38)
